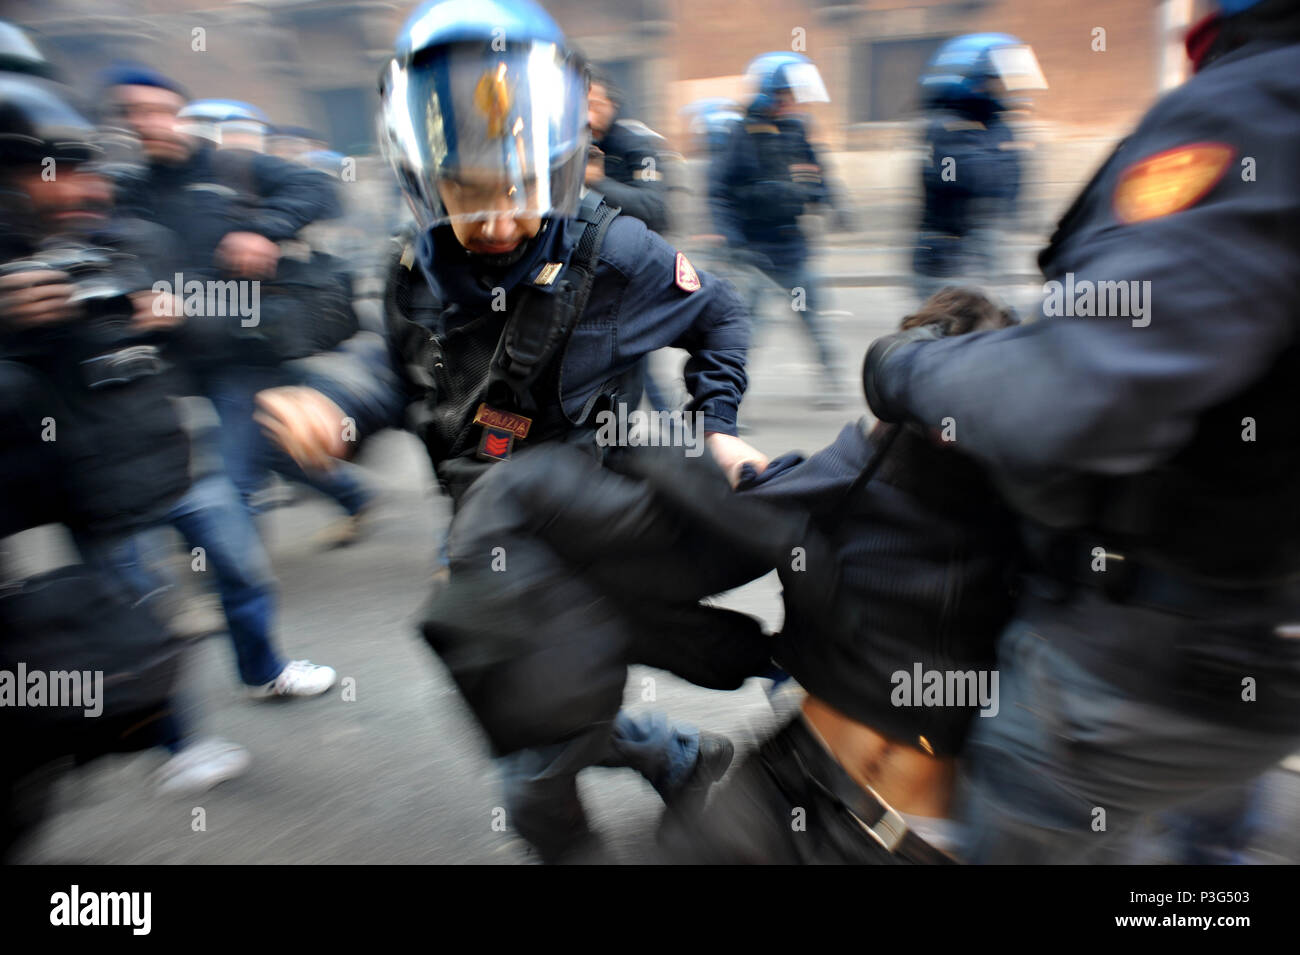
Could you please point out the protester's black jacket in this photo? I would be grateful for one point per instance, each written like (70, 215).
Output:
(114, 456)
(602, 566)
(206, 197)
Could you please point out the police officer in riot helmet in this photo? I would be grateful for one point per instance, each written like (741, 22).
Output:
(521, 309)
(766, 177)
(971, 174)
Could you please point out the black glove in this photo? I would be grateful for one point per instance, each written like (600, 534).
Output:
(882, 373)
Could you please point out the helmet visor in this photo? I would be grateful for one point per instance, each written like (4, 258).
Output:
(805, 82)
(1018, 68)
(474, 133)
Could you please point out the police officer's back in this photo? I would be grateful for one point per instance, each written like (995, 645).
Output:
(1144, 426)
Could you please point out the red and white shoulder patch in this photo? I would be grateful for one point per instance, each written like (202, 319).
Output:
(687, 278)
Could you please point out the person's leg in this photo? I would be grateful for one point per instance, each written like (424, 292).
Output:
(926, 285)
(343, 482)
(195, 764)
(982, 244)
(804, 297)
(1070, 762)
(128, 560)
(663, 752)
(211, 517)
(233, 394)
(541, 795)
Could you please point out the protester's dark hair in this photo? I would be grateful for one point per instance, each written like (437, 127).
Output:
(961, 310)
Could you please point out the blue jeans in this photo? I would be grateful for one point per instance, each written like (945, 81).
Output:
(123, 560)
(790, 270)
(541, 785)
(1066, 743)
(249, 455)
(211, 516)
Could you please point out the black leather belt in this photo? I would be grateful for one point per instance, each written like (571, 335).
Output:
(877, 819)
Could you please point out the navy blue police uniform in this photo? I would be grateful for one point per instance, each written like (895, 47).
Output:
(756, 199)
(971, 175)
(1143, 426)
(590, 297)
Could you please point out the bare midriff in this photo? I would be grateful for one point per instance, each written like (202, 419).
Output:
(907, 778)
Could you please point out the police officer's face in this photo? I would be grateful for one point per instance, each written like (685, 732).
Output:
(150, 112)
(500, 233)
(600, 111)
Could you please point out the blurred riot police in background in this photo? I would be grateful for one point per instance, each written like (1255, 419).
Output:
(767, 176)
(971, 171)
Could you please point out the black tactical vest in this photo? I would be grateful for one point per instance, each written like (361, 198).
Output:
(508, 361)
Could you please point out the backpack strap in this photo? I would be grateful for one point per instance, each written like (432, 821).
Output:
(530, 341)
(410, 310)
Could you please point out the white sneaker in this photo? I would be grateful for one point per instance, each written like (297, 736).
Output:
(200, 766)
(298, 678)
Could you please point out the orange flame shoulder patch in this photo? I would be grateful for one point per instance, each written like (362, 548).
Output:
(1170, 181)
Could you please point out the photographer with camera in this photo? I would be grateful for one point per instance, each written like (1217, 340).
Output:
(76, 336)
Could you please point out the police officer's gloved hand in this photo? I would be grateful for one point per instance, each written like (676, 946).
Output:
(885, 369)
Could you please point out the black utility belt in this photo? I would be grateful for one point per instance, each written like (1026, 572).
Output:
(121, 366)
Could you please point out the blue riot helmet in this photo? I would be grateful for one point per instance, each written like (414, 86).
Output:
(484, 112)
(324, 160)
(211, 118)
(979, 67)
(18, 54)
(710, 120)
(773, 73)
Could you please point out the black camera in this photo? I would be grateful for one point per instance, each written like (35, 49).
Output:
(99, 292)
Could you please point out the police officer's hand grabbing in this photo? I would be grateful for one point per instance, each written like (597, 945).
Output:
(949, 311)
(733, 453)
(885, 369)
(36, 297)
(305, 423)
